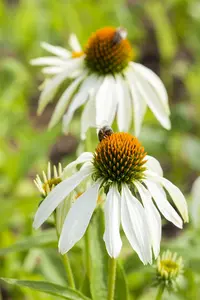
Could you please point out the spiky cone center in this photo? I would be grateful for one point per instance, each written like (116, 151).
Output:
(108, 51)
(119, 158)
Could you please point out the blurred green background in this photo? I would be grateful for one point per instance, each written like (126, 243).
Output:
(166, 38)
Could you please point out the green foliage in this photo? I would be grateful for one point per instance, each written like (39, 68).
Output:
(49, 288)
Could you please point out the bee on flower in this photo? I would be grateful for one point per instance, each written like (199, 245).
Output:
(132, 182)
(105, 80)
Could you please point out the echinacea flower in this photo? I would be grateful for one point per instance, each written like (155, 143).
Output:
(195, 205)
(49, 180)
(133, 183)
(169, 270)
(104, 79)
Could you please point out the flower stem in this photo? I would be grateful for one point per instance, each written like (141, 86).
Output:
(160, 292)
(87, 252)
(68, 271)
(111, 278)
(66, 262)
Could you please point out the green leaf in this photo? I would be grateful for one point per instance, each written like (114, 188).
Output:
(44, 238)
(48, 287)
(121, 286)
(99, 258)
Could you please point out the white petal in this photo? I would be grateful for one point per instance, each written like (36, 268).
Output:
(135, 226)
(164, 206)
(88, 117)
(64, 100)
(83, 158)
(52, 70)
(79, 99)
(153, 218)
(74, 43)
(78, 218)
(153, 165)
(139, 104)
(112, 223)
(177, 197)
(57, 195)
(155, 81)
(153, 101)
(195, 206)
(50, 90)
(48, 60)
(62, 210)
(106, 103)
(56, 50)
(124, 104)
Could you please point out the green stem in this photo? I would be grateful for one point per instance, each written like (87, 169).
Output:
(160, 292)
(87, 252)
(68, 271)
(111, 278)
(66, 263)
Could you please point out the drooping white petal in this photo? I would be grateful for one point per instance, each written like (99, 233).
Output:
(153, 218)
(163, 204)
(64, 100)
(177, 197)
(56, 50)
(74, 43)
(78, 218)
(106, 103)
(50, 90)
(155, 82)
(152, 99)
(195, 206)
(56, 196)
(124, 104)
(112, 222)
(83, 158)
(51, 86)
(135, 225)
(79, 99)
(46, 61)
(153, 165)
(52, 70)
(139, 104)
(62, 210)
(88, 117)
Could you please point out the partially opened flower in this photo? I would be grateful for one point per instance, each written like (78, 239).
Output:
(49, 180)
(135, 190)
(170, 270)
(104, 78)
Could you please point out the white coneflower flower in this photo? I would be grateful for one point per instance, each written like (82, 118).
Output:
(131, 181)
(45, 185)
(195, 205)
(104, 78)
(169, 270)
(49, 180)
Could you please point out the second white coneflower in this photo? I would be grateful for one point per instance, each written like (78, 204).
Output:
(132, 182)
(104, 79)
